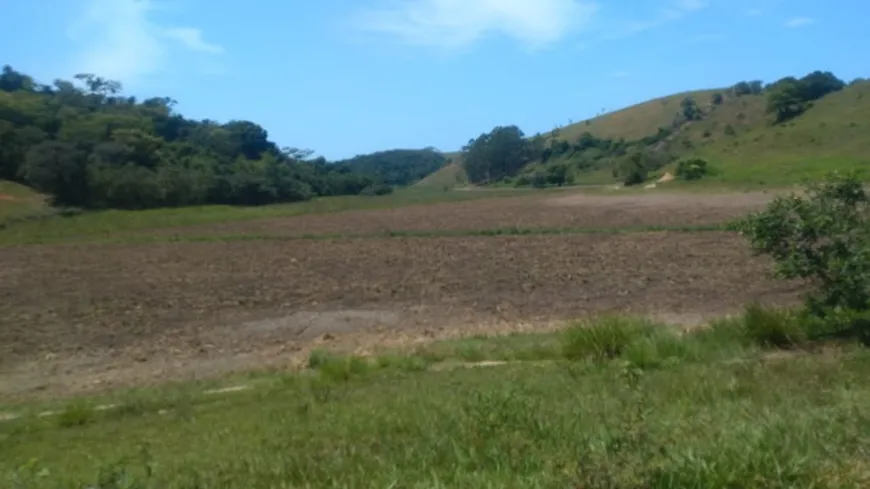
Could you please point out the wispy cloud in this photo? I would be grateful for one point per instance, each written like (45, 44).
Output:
(455, 24)
(795, 22)
(118, 39)
(674, 11)
(192, 39)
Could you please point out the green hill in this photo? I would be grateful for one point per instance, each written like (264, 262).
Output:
(449, 176)
(18, 201)
(785, 132)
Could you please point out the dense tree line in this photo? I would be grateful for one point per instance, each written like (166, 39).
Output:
(87, 145)
(397, 166)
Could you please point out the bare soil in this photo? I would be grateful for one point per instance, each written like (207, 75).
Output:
(85, 317)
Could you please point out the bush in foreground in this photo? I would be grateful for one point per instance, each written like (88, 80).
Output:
(822, 237)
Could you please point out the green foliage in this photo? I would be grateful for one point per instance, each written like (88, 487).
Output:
(690, 109)
(822, 237)
(717, 99)
(398, 167)
(773, 328)
(747, 88)
(635, 169)
(86, 145)
(693, 169)
(499, 154)
(791, 97)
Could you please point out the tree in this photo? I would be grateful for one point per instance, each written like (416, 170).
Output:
(86, 144)
(741, 89)
(632, 170)
(498, 154)
(690, 109)
(785, 100)
(558, 174)
(717, 99)
(824, 238)
(59, 169)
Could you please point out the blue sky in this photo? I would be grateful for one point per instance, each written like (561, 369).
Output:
(344, 77)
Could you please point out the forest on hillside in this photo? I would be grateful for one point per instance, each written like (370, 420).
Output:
(505, 154)
(87, 145)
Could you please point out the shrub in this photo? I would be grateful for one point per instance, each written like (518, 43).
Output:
(729, 130)
(693, 169)
(716, 99)
(773, 328)
(377, 189)
(822, 237)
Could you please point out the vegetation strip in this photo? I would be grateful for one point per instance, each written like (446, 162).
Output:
(400, 234)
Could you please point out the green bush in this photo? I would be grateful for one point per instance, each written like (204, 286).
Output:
(773, 328)
(822, 237)
(693, 169)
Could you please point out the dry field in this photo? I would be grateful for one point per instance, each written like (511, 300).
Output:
(572, 210)
(89, 316)
(161, 311)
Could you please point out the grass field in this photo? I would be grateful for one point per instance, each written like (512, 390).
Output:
(102, 224)
(707, 409)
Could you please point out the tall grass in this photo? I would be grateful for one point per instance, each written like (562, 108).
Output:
(619, 403)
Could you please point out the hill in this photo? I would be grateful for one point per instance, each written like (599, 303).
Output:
(783, 132)
(449, 176)
(397, 166)
(18, 202)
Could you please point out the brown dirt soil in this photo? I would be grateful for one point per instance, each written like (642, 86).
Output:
(7, 197)
(90, 316)
(573, 210)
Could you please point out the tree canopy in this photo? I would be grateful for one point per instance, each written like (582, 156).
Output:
(396, 166)
(87, 145)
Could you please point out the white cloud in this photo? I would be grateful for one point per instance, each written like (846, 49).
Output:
(119, 40)
(795, 22)
(458, 23)
(192, 39)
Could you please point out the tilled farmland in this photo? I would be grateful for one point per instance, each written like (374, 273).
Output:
(73, 308)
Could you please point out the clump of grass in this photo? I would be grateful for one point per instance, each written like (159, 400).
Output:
(76, 414)
(606, 337)
(335, 367)
(773, 328)
(661, 347)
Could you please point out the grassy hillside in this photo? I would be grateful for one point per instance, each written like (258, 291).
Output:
(451, 175)
(18, 201)
(833, 135)
(738, 138)
(637, 121)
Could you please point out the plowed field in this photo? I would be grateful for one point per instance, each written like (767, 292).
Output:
(108, 314)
